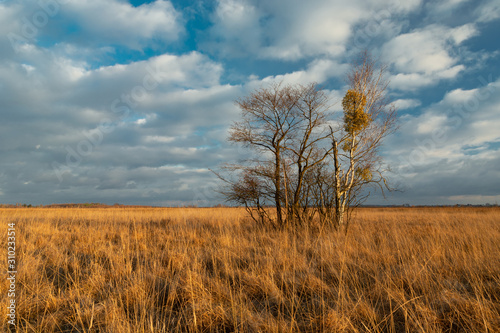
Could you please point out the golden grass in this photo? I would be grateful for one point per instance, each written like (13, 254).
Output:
(213, 270)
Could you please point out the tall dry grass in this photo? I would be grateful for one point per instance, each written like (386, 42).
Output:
(212, 270)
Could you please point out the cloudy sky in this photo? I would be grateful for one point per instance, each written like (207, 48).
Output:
(130, 101)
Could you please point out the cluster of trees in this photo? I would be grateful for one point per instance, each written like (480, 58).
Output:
(309, 162)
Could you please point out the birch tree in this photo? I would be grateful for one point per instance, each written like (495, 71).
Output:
(368, 117)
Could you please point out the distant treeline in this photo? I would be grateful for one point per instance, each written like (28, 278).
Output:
(100, 205)
(66, 205)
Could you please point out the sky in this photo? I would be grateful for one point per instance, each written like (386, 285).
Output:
(130, 102)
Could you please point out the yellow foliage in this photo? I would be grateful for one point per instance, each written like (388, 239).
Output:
(355, 117)
(347, 145)
(364, 173)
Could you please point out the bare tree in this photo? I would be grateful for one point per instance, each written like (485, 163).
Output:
(307, 149)
(269, 119)
(285, 126)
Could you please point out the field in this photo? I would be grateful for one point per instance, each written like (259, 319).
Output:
(212, 270)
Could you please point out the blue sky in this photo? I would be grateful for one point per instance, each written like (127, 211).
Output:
(130, 101)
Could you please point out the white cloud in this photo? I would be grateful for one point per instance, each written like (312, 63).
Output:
(181, 112)
(69, 101)
(46, 69)
(402, 104)
(415, 81)
(292, 29)
(488, 10)
(411, 81)
(119, 22)
(464, 32)
(316, 30)
(188, 70)
(418, 51)
(317, 71)
(430, 123)
(237, 23)
(447, 130)
(458, 95)
(158, 139)
(8, 15)
(95, 22)
(423, 56)
(443, 8)
(323, 27)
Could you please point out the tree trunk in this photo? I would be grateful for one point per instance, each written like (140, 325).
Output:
(277, 195)
(339, 214)
(339, 203)
(296, 198)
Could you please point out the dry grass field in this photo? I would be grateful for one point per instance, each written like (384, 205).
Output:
(213, 270)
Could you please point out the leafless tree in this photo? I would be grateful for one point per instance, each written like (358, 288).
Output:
(269, 119)
(285, 126)
(307, 149)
